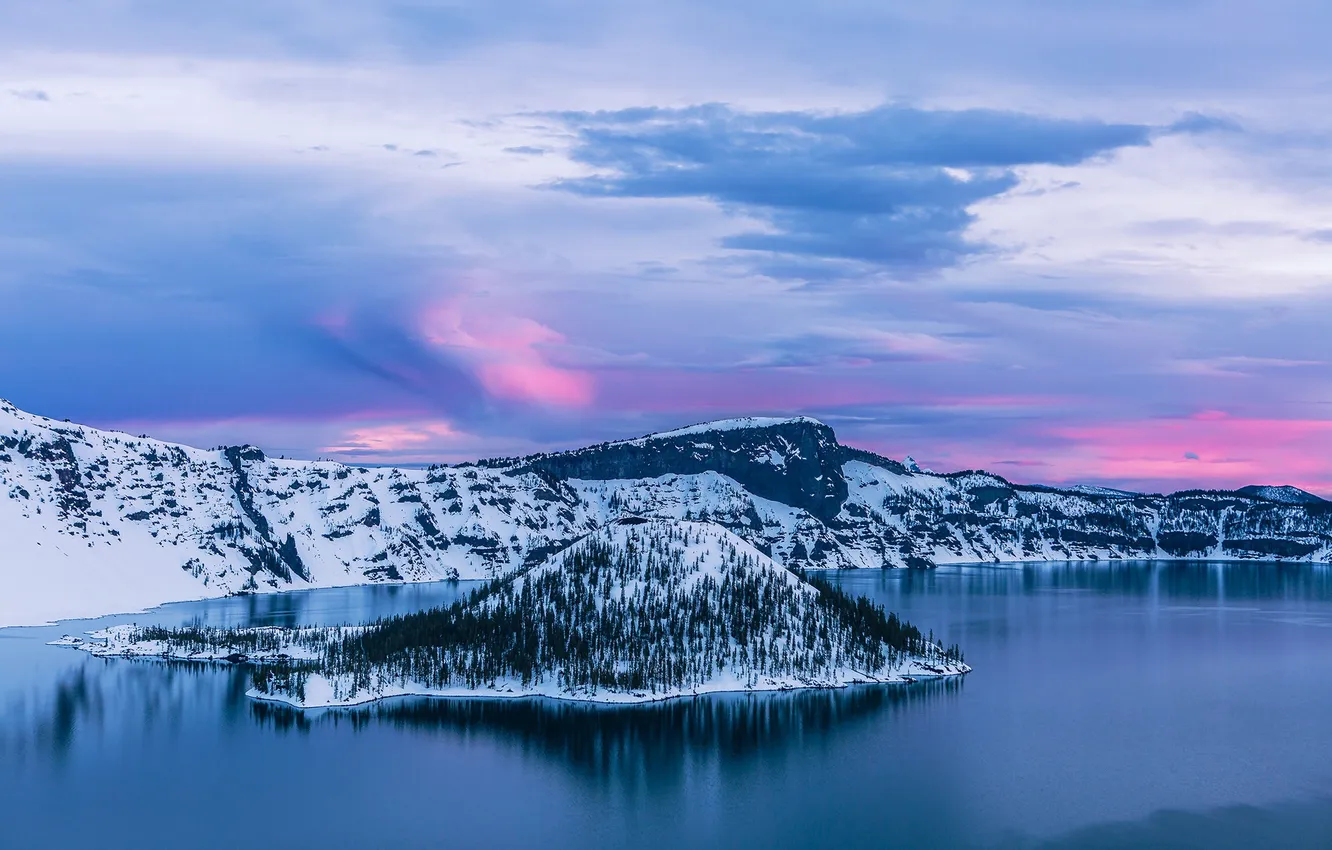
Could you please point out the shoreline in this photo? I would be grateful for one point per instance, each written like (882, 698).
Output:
(147, 608)
(633, 700)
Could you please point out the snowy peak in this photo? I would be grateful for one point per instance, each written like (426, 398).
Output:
(702, 547)
(636, 611)
(1284, 494)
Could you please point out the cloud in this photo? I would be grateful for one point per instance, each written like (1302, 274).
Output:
(30, 94)
(210, 294)
(856, 346)
(1196, 122)
(1191, 456)
(1238, 366)
(510, 355)
(381, 440)
(889, 187)
(159, 260)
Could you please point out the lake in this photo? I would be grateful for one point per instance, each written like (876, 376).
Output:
(1120, 704)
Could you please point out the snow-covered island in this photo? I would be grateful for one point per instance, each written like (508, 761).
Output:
(637, 611)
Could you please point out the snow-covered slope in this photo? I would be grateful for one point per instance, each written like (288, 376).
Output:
(636, 611)
(93, 521)
(1284, 494)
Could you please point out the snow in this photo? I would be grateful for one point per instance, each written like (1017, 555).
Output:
(703, 552)
(911, 466)
(1092, 490)
(1283, 494)
(48, 575)
(321, 693)
(93, 522)
(741, 424)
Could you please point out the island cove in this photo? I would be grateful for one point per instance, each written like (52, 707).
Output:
(638, 611)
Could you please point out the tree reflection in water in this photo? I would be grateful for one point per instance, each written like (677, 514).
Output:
(625, 741)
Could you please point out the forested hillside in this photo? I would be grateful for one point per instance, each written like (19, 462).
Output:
(636, 611)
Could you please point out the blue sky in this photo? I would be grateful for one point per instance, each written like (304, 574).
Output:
(1062, 241)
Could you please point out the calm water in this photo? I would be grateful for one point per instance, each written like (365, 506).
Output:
(1117, 705)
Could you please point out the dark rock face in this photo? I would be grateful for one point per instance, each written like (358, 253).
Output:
(282, 560)
(797, 462)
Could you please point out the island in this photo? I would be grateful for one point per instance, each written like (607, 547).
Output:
(640, 610)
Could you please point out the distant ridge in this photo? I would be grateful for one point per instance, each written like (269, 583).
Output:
(96, 521)
(1283, 494)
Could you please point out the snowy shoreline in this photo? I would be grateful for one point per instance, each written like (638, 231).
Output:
(114, 642)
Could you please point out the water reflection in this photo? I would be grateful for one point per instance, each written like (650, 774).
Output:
(119, 701)
(324, 607)
(1192, 580)
(1303, 825)
(1103, 692)
(114, 701)
(613, 742)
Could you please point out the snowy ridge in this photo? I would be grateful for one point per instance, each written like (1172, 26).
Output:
(93, 522)
(740, 424)
(1284, 494)
(635, 612)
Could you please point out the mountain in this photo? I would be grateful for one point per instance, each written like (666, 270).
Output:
(1284, 494)
(95, 521)
(639, 610)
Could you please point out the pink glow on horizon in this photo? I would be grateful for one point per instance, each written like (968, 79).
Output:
(508, 355)
(1210, 449)
(394, 437)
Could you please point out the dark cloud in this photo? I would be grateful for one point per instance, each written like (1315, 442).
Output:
(185, 295)
(1196, 122)
(889, 187)
(30, 94)
(527, 150)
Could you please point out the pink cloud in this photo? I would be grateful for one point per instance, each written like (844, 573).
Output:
(394, 437)
(508, 354)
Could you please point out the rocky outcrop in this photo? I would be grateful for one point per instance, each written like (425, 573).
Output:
(797, 462)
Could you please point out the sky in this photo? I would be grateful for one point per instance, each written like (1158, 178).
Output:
(1064, 242)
